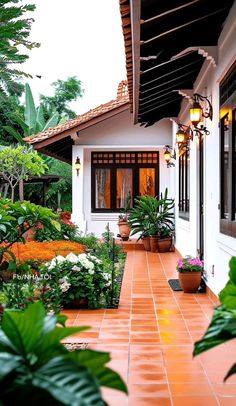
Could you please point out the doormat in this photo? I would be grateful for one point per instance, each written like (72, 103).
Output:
(174, 284)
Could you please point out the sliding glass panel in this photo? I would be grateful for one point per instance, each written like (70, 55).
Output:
(147, 181)
(124, 187)
(225, 170)
(234, 163)
(102, 188)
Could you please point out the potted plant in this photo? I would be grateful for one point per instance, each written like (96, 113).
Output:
(165, 239)
(123, 224)
(190, 271)
(154, 218)
(139, 222)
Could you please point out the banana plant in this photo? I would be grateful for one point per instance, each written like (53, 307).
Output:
(35, 367)
(33, 121)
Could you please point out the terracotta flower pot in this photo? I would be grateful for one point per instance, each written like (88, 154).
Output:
(190, 281)
(124, 230)
(164, 244)
(154, 243)
(146, 243)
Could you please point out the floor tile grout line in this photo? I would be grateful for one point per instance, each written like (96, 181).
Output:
(167, 378)
(203, 368)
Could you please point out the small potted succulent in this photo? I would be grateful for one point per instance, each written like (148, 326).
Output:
(190, 271)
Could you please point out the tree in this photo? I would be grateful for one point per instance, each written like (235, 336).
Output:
(18, 164)
(33, 120)
(10, 108)
(65, 91)
(14, 33)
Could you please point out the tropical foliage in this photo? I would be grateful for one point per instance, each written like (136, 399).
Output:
(33, 120)
(14, 32)
(17, 218)
(65, 91)
(152, 216)
(35, 365)
(222, 327)
(18, 163)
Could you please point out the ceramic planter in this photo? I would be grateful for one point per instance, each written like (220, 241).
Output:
(190, 281)
(124, 230)
(154, 243)
(146, 243)
(164, 244)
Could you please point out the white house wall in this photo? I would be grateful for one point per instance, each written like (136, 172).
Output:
(116, 133)
(218, 248)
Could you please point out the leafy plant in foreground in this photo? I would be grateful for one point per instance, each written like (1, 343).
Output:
(35, 367)
(222, 327)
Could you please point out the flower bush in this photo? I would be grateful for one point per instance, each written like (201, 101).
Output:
(44, 251)
(74, 278)
(190, 264)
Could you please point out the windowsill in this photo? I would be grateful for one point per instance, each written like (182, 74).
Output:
(105, 216)
(183, 216)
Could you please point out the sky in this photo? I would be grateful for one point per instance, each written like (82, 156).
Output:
(80, 38)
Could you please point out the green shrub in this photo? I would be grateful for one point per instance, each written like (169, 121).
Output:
(222, 327)
(37, 369)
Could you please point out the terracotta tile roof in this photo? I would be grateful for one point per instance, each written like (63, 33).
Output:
(83, 118)
(126, 28)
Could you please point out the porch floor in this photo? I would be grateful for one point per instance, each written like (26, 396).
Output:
(151, 335)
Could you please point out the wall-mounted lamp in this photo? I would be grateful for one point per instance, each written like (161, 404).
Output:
(201, 107)
(77, 165)
(168, 156)
(184, 134)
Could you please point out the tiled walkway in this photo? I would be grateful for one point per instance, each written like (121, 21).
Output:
(151, 338)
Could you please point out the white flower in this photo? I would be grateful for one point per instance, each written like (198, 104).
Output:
(76, 268)
(82, 256)
(55, 261)
(65, 287)
(106, 276)
(108, 283)
(91, 272)
(64, 284)
(95, 259)
(72, 258)
(59, 259)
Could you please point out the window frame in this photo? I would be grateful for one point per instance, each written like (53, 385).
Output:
(135, 166)
(228, 226)
(184, 184)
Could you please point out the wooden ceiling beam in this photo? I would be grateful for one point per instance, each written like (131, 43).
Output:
(158, 106)
(169, 98)
(168, 12)
(168, 81)
(179, 27)
(53, 155)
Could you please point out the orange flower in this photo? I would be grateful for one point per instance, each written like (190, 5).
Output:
(45, 251)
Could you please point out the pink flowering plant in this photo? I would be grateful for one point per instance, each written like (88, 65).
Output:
(190, 264)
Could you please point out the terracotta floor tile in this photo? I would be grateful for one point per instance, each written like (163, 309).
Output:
(227, 401)
(148, 401)
(144, 378)
(196, 401)
(190, 389)
(150, 339)
(157, 389)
